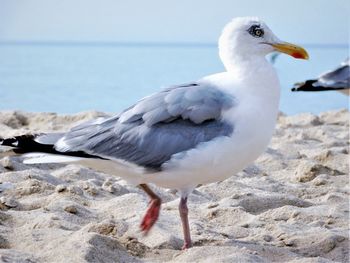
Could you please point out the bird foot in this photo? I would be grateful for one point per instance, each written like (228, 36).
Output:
(151, 215)
(186, 245)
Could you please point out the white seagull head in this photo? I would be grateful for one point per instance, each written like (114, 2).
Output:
(246, 38)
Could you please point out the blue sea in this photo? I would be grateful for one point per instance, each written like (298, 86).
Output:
(71, 77)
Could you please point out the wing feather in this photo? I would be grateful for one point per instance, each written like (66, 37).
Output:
(150, 132)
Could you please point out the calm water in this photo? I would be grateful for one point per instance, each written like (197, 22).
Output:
(73, 78)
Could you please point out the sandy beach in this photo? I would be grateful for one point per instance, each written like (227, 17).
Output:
(291, 205)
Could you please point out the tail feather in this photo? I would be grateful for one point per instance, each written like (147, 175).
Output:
(44, 144)
(33, 158)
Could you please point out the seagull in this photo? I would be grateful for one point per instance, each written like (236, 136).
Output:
(337, 79)
(185, 135)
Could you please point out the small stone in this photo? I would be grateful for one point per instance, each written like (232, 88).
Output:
(345, 151)
(319, 181)
(340, 238)
(323, 156)
(288, 243)
(135, 247)
(107, 182)
(330, 221)
(295, 214)
(116, 189)
(315, 121)
(8, 202)
(71, 209)
(235, 196)
(61, 188)
(267, 238)
(104, 229)
(7, 163)
(281, 236)
(212, 205)
(245, 225)
(32, 186)
(108, 186)
(92, 190)
(307, 171)
(328, 244)
(212, 214)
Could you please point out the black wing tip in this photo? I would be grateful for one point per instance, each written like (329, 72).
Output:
(26, 143)
(307, 86)
(316, 89)
(18, 141)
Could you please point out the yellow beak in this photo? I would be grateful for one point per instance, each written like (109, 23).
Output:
(291, 49)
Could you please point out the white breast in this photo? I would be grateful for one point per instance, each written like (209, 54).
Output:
(253, 118)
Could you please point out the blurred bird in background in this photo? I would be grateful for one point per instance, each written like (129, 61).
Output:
(337, 79)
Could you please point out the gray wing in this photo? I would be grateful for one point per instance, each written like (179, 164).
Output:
(157, 127)
(338, 78)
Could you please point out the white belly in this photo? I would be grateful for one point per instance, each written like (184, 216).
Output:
(223, 157)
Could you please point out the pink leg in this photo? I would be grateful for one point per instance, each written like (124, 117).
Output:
(153, 209)
(185, 225)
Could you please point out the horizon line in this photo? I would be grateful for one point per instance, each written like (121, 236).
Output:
(142, 43)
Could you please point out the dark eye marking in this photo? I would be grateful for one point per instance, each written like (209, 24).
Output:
(256, 31)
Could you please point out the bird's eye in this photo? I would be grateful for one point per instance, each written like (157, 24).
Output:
(256, 31)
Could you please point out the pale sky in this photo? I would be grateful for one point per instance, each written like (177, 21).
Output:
(300, 21)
